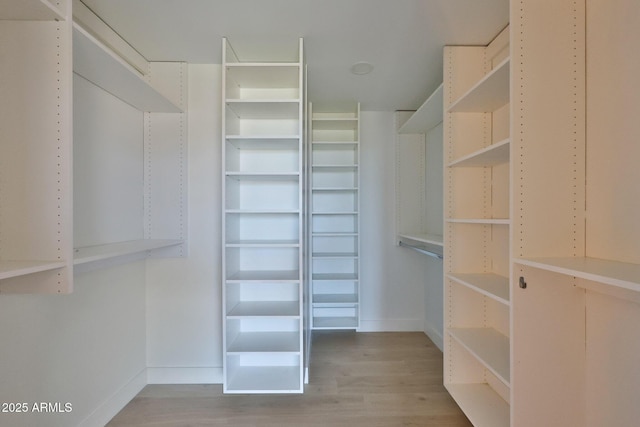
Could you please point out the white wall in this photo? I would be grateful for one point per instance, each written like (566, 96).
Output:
(392, 286)
(184, 341)
(433, 274)
(83, 348)
(87, 348)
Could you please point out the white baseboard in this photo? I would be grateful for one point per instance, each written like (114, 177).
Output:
(114, 404)
(184, 375)
(391, 325)
(434, 335)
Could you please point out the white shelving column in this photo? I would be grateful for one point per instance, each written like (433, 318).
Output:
(158, 91)
(334, 201)
(36, 243)
(419, 176)
(263, 135)
(477, 306)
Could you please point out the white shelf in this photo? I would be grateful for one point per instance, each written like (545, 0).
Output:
(262, 211)
(335, 322)
(10, 269)
(334, 213)
(334, 276)
(432, 239)
(265, 276)
(263, 176)
(435, 251)
(98, 64)
(492, 155)
(265, 309)
(428, 116)
(264, 379)
(335, 123)
(491, 285)
(95, 253)
(333, 234)
(483, 406)
(609, 273)
(485, 221)
(30, 10)
(333, 300)
(337, 189)
(273, 142)
(330, 143)
(337, 168)
(264, 74)
(261, 139)
(265, 108)
(262, 243)
(334, 255)
(265, 342)
(487, 345)
(489, 94)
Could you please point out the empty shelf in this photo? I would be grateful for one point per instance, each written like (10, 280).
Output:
(334, 299)
(264, 379)
(265, 342)
(334, 276)
(432, 239)
(489, 94)
(265, 276)
(492, 285)
(492, 155)
(428, 116)
(487, 345)
(98, 64)
(610, 273)
(264, 108)
(89, 254)
(265, 309)
(262, 243)
(335, 322)
(481, 404)
(10, 269)
(276, 75)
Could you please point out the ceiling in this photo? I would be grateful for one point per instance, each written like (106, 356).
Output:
(402, 39)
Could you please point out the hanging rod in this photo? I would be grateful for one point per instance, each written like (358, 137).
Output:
(421, 250)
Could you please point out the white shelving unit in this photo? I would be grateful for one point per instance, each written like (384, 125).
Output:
(334, 247)
(37, 233)
(419, 176)
(542, 283)
(263, 217)
(576, 259)
(36, 253)
(163, 161)
(477, 255)
(106, 69)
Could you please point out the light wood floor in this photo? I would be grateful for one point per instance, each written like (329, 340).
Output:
(356, 379)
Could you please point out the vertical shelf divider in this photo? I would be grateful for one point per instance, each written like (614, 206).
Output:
(477, 326)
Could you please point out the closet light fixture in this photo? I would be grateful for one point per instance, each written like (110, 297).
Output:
(361, 68)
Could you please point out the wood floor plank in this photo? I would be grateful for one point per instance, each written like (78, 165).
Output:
(356, 380)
